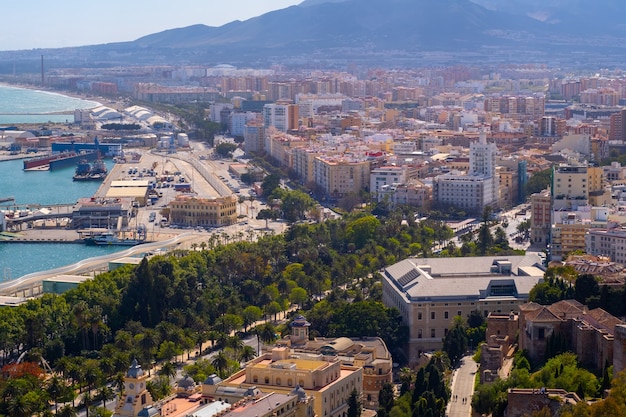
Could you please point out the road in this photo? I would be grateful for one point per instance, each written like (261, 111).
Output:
(462, 388)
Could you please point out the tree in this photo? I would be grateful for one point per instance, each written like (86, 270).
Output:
(295, 205)
(266, 214)
(55, 389)
(361, 230)
(225, 149)
(67, 411)
(298, 296)
(386, 399)
(104, 394)
(354, 404)
(220, 363)
(455, 342)
(586, 287)
(247, 353)
(538, 181)
(168, 370)
(250, 315)
(269, 184)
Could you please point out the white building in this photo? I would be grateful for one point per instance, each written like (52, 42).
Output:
(238, 122)
(283, 117)
(387, 175)
(476, 190)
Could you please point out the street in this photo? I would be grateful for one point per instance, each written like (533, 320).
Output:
(462, 389)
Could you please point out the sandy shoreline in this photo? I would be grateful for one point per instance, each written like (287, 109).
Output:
(73, 94)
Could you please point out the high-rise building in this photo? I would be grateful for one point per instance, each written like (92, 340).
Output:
(478, 189)
(283, 117)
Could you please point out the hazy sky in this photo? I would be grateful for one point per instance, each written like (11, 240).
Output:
(29, 24)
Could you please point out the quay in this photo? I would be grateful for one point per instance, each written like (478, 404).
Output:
(31, 285)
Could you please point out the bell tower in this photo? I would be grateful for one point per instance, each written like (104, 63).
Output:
(136, 396)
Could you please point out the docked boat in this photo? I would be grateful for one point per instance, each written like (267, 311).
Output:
(83, 171)
(109, 238)
(90, 172)
(99, 170)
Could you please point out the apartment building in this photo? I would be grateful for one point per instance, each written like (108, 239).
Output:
(254, 136)
(607, 242)
(430, 292)
(569, 229)
(204, 212)
(572, 185)
(386, 175)
(414, 193)
(541, 217)
(283, 117)
(478, 189)
(339, 176)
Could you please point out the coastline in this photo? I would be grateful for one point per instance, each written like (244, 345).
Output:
(98, 101)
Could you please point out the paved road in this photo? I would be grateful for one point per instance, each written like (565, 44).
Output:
(462, 387)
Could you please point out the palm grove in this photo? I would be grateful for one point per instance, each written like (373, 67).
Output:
(172, 305)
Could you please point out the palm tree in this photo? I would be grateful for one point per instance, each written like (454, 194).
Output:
(247, 354)
(86, 401)
(266, 333)
(118, 382)
(168, 369)
(67, 411)
(55, 390)
(235, 343)
(105, 393)
(220, 363)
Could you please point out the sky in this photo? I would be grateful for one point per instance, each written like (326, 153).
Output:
(32, 24)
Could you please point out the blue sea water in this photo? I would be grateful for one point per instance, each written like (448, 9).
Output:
(40, 187)
(14, 102)
(45, 188)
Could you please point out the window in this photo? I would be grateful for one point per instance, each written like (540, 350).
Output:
(419, 333)
(432, 315)
(541, 333)
(432, 333)
(419, 315)
(445, 315)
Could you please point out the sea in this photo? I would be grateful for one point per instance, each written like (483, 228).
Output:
(41, 187)
(15, 103)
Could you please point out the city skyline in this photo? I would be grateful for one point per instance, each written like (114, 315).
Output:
(42, 24)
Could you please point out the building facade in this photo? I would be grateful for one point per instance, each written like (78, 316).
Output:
(429, 293)
(203, 212)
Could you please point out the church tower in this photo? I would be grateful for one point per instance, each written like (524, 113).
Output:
(136, 400)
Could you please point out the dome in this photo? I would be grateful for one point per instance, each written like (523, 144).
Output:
(300, 321)
(135, 370)
(187, 383)
(212, 380)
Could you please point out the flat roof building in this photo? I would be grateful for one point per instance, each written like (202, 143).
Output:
(430, 292)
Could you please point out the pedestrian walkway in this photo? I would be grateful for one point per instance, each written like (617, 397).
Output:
(462, 389)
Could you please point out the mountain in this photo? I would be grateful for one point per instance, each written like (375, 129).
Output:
(604, 17)
(377, 32)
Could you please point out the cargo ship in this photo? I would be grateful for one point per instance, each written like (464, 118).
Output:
(58, 160)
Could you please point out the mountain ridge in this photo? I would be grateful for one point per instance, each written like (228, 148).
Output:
(394, 32)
